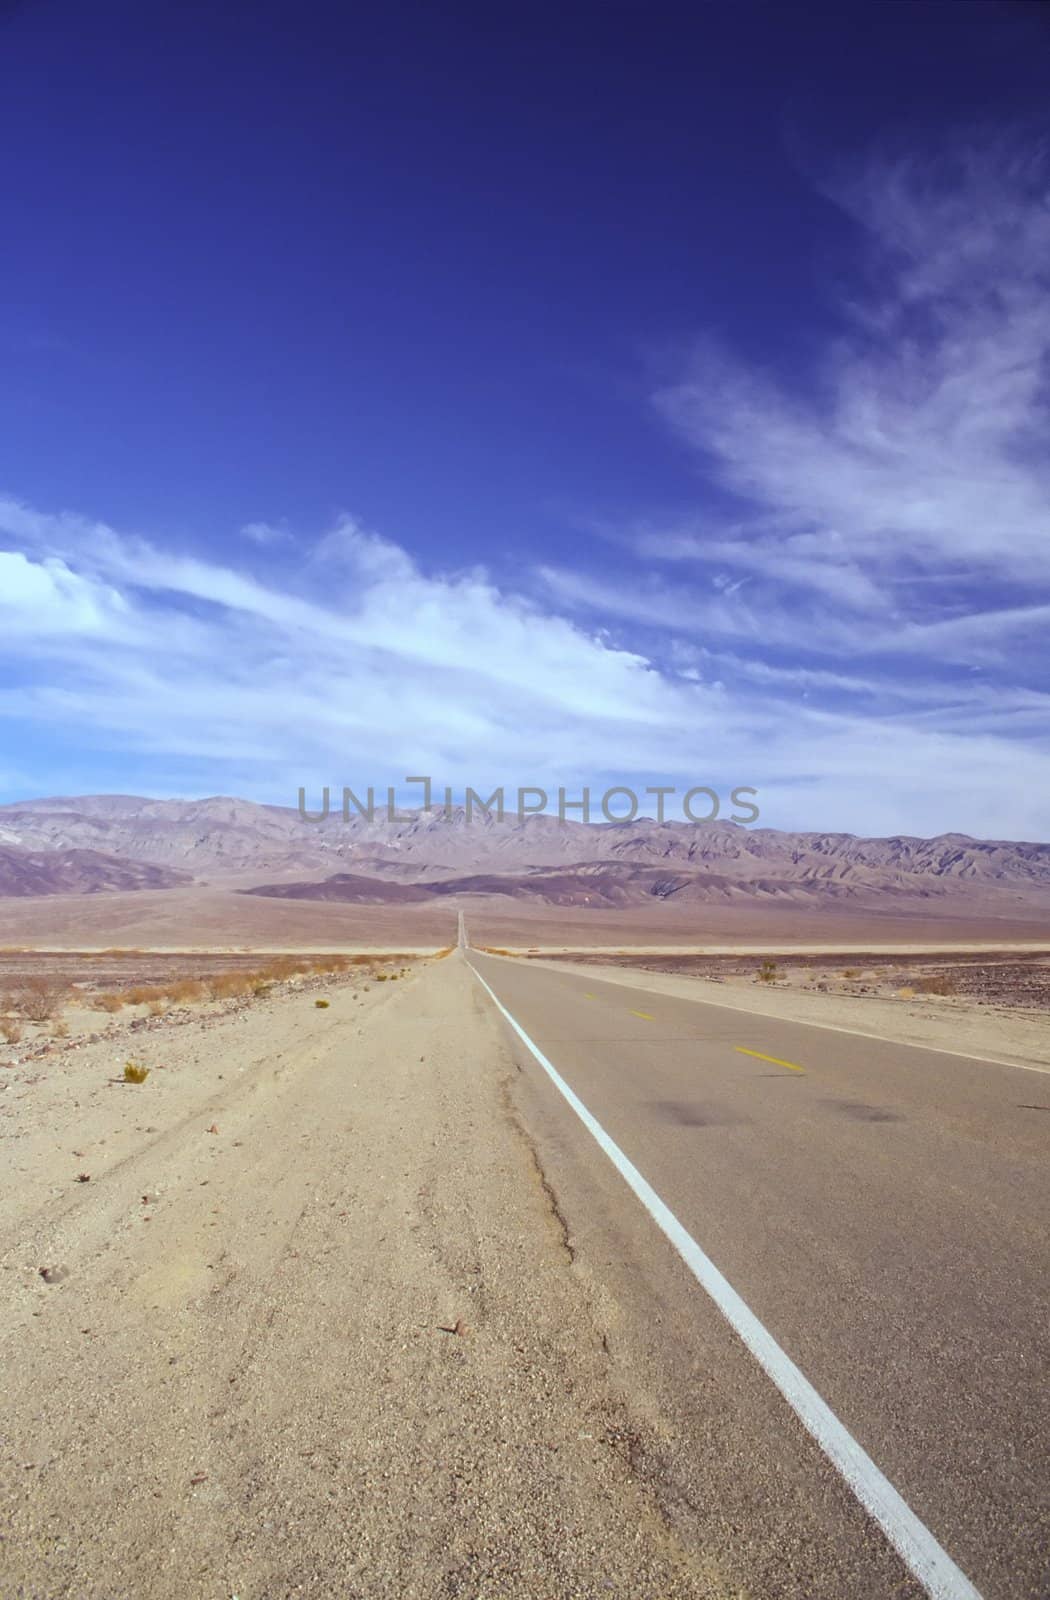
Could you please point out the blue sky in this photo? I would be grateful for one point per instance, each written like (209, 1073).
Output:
(554, 394)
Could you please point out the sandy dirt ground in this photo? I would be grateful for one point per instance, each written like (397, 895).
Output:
(206, 918)
(297, 1315)
(877, 998)
(210, 916)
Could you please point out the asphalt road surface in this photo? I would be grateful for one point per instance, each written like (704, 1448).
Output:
(882, 1213)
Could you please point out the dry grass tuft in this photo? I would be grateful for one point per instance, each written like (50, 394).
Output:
(228, 985)
(133, 1073)
(184, 989)
(10, 1031)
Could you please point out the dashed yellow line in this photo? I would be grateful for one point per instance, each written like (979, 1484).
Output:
(644, 1016)
(791, 1065)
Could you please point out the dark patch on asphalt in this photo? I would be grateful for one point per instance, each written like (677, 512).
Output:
(690, 1114)
(1023, 1107)
(859, 1112)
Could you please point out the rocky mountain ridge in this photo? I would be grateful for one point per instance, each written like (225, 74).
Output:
(226, 839)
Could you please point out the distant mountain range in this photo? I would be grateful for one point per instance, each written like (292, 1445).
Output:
(100, 843)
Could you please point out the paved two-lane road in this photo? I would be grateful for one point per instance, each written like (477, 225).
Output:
(882, 1210)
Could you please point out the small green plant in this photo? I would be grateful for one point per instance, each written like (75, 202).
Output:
(322, 1005)
(133, 1073)
(381, 977)
(767, 971)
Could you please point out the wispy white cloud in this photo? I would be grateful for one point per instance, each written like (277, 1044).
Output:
(879, 544)
(914, 445)
(862, 638)
(367, 668)
(266, 533)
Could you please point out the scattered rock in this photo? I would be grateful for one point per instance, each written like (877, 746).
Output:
(54, 1274)
(83, 1177)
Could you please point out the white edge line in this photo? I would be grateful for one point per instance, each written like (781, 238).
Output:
(912, 1540)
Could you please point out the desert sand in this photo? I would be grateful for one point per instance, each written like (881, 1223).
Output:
(296, 1315)
(205, 917)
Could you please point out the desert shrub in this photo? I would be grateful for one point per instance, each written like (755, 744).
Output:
(907, 993)
(60, 1029)
(330, 964)
(322, 1005)
(227, 985)
(936, 983)
(39, 998)
(141, 994)
(767, 971)
(157, 1006)
(260, 988)
(381, 977)
(108, 1002)
(851, 972)
(184, 989)
(283, 967)
(10, 1030)
(133, 1073)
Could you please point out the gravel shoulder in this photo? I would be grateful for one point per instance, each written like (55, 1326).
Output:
(310, 1323)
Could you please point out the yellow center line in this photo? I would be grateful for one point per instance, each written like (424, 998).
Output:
(791, 1066)
(644, 1016)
